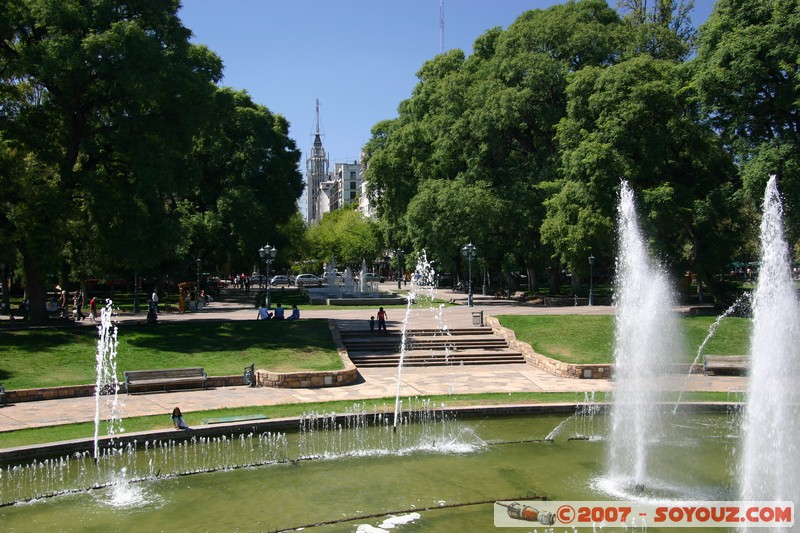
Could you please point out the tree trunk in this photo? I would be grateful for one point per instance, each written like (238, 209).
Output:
(35, 290)
(554, 276)
(576, 283)
(533, 282)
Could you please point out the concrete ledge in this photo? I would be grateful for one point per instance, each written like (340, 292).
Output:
(548, 364)
(313, 379)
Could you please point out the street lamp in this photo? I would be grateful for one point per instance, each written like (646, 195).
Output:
(198, 261)
(399, 255)
(469, 251)
(267, 254)
(591, 279)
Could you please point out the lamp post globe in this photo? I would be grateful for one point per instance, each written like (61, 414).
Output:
(591, 279)
(469, 251)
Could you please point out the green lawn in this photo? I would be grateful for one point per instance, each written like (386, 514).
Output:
(590, 339)
(26, 437)
(66, 356)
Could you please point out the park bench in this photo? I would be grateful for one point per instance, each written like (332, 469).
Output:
(2, 396)
(725, 364)
(164, 378)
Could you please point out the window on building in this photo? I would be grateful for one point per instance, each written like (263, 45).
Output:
(352, 195)
(352, 174)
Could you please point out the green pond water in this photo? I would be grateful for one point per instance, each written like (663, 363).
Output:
(326, 473)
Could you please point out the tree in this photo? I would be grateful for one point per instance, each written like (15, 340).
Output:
(487, 123)
(248, 182)
(346, 236)
(640, 121)
(108, 95)
(748, 72)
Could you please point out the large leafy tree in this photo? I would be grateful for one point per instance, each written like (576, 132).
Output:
(248, 183)
(639, 121)
(104, 96)
(748, 70)
(487, 124)
(346, 236)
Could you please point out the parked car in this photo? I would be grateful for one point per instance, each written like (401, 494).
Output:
(258, 279)
(280, 280)
(371, 277)
(308, 280)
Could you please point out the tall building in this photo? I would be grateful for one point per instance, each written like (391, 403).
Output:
(317, 172)
(346, 184)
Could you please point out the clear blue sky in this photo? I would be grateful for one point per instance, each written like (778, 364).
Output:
(359, 57)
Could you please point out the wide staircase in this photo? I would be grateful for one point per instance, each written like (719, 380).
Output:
(427, 347)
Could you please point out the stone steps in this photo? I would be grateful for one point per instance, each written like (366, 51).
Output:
(438, 358)
(428, 347)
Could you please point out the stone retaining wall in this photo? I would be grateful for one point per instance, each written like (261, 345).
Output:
(552, 366)
(298, 380)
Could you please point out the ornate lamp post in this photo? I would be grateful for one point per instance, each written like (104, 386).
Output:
(399, 255)
(469, 251)
(198, 261)
(268, 254)
(591, 279)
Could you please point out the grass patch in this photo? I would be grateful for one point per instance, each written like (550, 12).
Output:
(66, 356)
(27, 437)
(590, 339)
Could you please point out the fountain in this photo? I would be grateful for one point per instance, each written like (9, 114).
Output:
(363, 284)
(106, 402)
(422, 283)
(453, 469)
(349, 284)
(768, 467)
(644, 345)
(349, 293)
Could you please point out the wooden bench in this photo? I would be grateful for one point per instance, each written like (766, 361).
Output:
(725, 364)
(165, 377)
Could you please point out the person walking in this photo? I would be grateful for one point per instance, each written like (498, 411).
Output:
(382, 321)
(78, 303)
(93, 308)
(154, 299)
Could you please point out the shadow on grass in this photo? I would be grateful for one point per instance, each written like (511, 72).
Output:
(232, 336)
(42, 340)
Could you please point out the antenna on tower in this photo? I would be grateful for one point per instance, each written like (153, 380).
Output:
(316, 119)
(441, 26)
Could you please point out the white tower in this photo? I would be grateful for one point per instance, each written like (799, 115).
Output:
(316, 173)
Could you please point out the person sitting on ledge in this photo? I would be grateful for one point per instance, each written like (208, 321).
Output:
(177, 419)
(264, 314)
(295, 313)
(278, 313)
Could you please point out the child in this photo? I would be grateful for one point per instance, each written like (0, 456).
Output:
(177, 419)
(372, 325)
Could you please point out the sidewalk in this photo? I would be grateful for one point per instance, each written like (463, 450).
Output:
(374, 382)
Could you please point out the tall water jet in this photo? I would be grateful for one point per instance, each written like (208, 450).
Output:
(106, 384)
(645, 336)
(423, 282)
(768, 466)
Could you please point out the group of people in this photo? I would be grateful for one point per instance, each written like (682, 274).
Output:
(267, 313)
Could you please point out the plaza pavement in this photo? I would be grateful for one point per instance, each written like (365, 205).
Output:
(373, 383)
